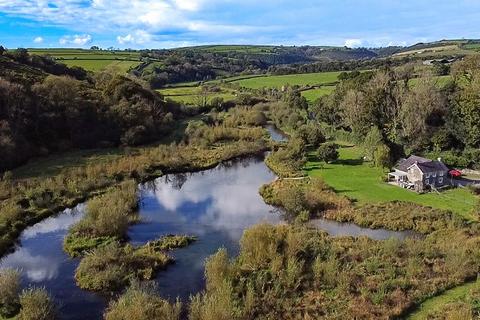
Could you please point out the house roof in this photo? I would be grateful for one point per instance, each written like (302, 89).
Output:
(432, 166)
(404, 164)
(424, 164)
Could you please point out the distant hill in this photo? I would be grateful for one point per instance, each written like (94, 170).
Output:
(202, 63)
(442, 48)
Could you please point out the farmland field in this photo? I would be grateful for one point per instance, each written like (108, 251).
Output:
(291, 79)
(192, 95)
(314, 94)
(93, 60)
(440, 81)
(359, 180)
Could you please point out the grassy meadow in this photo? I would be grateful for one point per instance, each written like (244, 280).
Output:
(271, 81)
(358, 180)
(314, 94)
(194, 95)
(92, 60)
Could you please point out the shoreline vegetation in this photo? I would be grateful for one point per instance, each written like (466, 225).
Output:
(31, 200)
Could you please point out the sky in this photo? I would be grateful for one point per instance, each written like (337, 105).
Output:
(179, 23)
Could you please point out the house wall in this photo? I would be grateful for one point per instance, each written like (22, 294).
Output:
(414, 174)
(436, 179)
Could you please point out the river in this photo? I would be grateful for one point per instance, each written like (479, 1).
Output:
(216, 205)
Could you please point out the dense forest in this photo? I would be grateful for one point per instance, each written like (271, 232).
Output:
(410, 112)
(46, 107)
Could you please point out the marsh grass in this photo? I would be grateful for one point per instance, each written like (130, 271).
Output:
(36, 305)
(9, 291)
(293, 272)
(106, 220)
(141, 302)
(113, 266)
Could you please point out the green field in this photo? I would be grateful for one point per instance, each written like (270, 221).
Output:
(471, 46)
(456, 294)
(92, 60)
(360, 181)
(313, 94)
(291, 79)
(192, 95)
(440, 81)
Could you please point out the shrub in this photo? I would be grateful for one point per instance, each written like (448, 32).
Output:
(328, 152)
(36, 305)
(141, 302)
(9, 290)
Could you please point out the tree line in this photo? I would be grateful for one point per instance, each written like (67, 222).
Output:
(49, 108)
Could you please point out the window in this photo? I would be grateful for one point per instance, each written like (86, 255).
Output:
(434, 174)
(427, 182)
(428, 175)
(441, 173)
(440, 180)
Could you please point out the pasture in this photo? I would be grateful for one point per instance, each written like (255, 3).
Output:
(313, 94)
(194, 95)
(92, 60)
(358, 180)
(303, 79)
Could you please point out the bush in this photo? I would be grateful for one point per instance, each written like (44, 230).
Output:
(9, 290)
(141, 302)
(328, 152)
(36, 305)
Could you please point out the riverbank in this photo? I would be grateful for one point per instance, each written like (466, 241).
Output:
(34, 199)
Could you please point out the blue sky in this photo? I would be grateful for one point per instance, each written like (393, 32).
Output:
(174, 23)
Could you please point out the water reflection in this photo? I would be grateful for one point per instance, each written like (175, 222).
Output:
(34, 258)
(275, 133)
(41, 261)
(224, 199)
(216, 205)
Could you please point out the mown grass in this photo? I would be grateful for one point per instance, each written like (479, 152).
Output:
(291, 79)
(313, 94)
(434, 304)
(358, 180)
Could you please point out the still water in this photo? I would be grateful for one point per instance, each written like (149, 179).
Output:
(216, 205)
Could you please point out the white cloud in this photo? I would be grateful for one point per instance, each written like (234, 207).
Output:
(78, 40)
(138, 37)
(38, 40)
(187, 19)
(353, 43)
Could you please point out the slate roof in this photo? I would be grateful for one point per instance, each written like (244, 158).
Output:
(404, 164)
(432, 166)
(425, 165)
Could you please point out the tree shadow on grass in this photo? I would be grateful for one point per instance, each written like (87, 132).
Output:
(349, 162)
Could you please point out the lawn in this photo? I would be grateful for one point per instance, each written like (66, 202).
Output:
(456, 294)
(291, 79)
(360, 181)
(313, 94)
